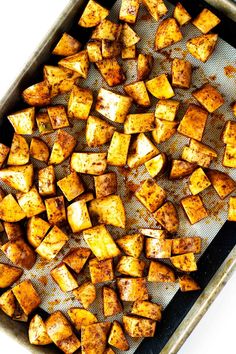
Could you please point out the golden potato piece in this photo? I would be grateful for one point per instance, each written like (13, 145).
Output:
(38, 94)
(205, 21)
(19, 151)
(128, 265)
(203, 148)
(101, 271)
(229, 132)
(138, 327)
(158, 248)
(98, 131)
(184, 262)
(132, 245)
(46, 181)
(107, 30)
(147, 309)
(37, 332)
(105, 184)
(58, 117)
(137, 90)
(202, 47)
(23, 121)
(155, 233)
(167, 109)
(93, 14)
(233, 106)
(117, 337)
(19, 253)
(109, 351)
(161, 273)
(111, 71)
(129, 11)
(31, 202)
(39, 150)
(52, 244)
(144, 66)
(110, 49)
(141, 151)
(67, 45)
(232, 209)
(27, 296)
(156, 165)
(43, 123)
(80, 102)
(229, 159)
(167, 217)
(128, 36)
(60, 80)
(92, 163)
(193, 122)
(139, 123)
(71, 186)
(181, 14)
(181, 73)
(62, 147)
(78, 62)
(223, 184)
(37, 229)
(13, 230)
(63, 277)
(111, 303)
(209, 97)
(81, 317)
(132, 289)
(87, 197)
(198, 181)
(118, 149)
(10, 210)
(86, 294)
(8, 303)
(160, 87)
(168, 33)
(164, 130)
(18, 177)
(94, 337)
(151, 195)
(181, 169)
(4, 150)
(78, 216)
(196, 157)
(156, 8)
(9, 275)
(186, 244)
(194, 208)
(187, 283)
(55, 208)
(94, 49)
(128, 52)
(76, 258)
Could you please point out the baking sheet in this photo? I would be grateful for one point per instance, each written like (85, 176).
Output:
(137, 216)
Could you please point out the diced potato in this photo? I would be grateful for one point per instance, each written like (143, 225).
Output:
(77, 258)
(10, 210)
(92, 163)
(60, 80)
(31, 202)
(107, 30)
(18, 177)
(118, 149)
(209, 97)
(196, 157)
(13, 230)
(52, 244)
(46, 181)
(27, 296)
(202, 47)
(4, 150)
(164, 130)
(128, 52)
(81, 317)
(229, 132)
(185, 262)
(78, 62)
(198, 181)
(111, 71)
(138, 327)
(111, 303)
(128, 265)
(38, 94)
(137, 90)
(193, 122)
(71, 186)
(8, 303)
(98, 131)
(168, 33)
(37, 332)
(160, 87)
(161, 273)
(156, 8)
(87, 197)
(117, 337)
(156, 165)
(113, 105)
(108, 210)
(101, 242)
(109, 351)
(223, 184)
(139, 123)
(144, 66)
(181, 14)
(229, 159)
(167, 217)
(101, 271)
(186, 244)
(55, 208)
(167, 109)
(105, 184)
(94, 49)
(19, 152)
(63, 277)
(132, 245)
(181, 73)
(187, 283)
(194, 208)
(157, 248)
(205, 21)
(181, 169)
(86, 294)
(78, 216)
(39, 150)
(128, 36)
(62, 147)
(9, 275)
(232, 209)
(132, 289)
(129, 11)
(93, 14)
(37, 229)
(19, 253)
(67, 45)
(151, 195)
(203, 148)
(80, 102)
(58, 117)
(155, 233)
(94, 337)
(110, 49)
(141, 151)
(43, 123)
(147, 309)
(23, 121)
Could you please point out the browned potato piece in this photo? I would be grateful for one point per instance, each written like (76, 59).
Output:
(181, 169)
(141, 151)
(39, 150)
(128, 265)
(58, 117)
(203, 46)
(19, 152)
(71, 186)
(129, 11)
(151, 195)
(181, 14)
(107, 30)
(168, 33)
(109, 351)
(181, 73)
(78, 216)
(18, 177)
(101, 271)
(19, 253)
(118, 149)
(43, 123)
(10, 210)
(166, 109)
(158, 248)
(67, 45)
(110, 49)
(184, 262)
(205, 21)
(132, 289)
(86, 294)
(93, 14)
(105, 184)
(196, 157)
(167, 217)
(187, 283)
(37, 229)
(46, 181)
(98, 131)
(4, 150)
(232, 209)
(202, 148)
(209, 97)
(111, 71)
(31, 202)
(229, 132)
(63, 277)
(160, 87)
(37, 332)
(194, 208)
(13, 230)
(156, 8)
(78, 62)
(138, 327)
(87, 197)
(117, 337)
(76, 258)
(128, 36)
(164, 130)
(60, 80)
(128, 52)
(9, 275)
(132, 245)
(23, 121)
(137, 90)
(92, 163)
(155, 233)
(62, 147)
(198, 181)
(160, 272)
(94, 49)
(80, 103)
(223, 184)
(38, 94)
(229, 159)
(186, 244)
(144, 66)
(94, 337)
(52, 244)
(193, 122)
(8, 303)
(147, 309)
(27, 296)
(139, 123)
(81, 317)
(111, 303)
(55, 208)
(156, 165)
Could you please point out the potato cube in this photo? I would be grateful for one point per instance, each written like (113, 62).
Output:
(156, 8)
(167, 217)
(194, 208)
(71, 186)
(87, 197)
(198, 181)
(94, 338)
(157, 248)
(205, 21)
(107, 30)
(167, 109)
(229, 132)
(151, 195)
(132, 245)
(46, 181)
(67, 45)
(108, 210)
(203, 46)
(52, 244)
(8, 303)
(139, 123)
(37, 229)
(181, 73)
(155, 233)
(186, 244)
(63, 277)
(110, 49)
(111, 71)
(92, 163)
(19, 253)
(23, 121)
(223, 184)
(98, 131)
(60, 80)
(105, 184)
(4, 150)
(128, 265)
(128, 52)
(196, 157)
(144, 66)
(55, 208)
(156, 165)
(184, 262)
(78, 62)
(233, 106)
(58, 117)
(10, 210)
(27, 296)
(118, 149)
(141, 151)
(164, 130)
(43, 123)
(229, 159)
(111, 303)
(13, 230)
(81, 317)
(129, 11)
(9, 275)
(101, 271)
(132, 289)
(203, 148)
(128, 36)
(181, 169)
(37, 94)
(31, 202)
(160, 87)
(94, 50)
(232, 209)
(168, 33)
(86, 294)
(77, 258)
(101, 242)
(193, 122)
(93, 14)
(37, 332)
(187, 283)
(161, 273)
(39, 150)
(147, 309)
(80, 103)
(181, 14)
(18, 177)
(117, 337)
(137, 90)
(209, 97)
(138, 327)
(62, 147)
(78, 216)
(19, 151)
